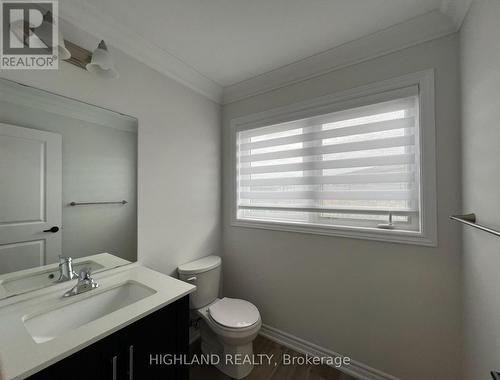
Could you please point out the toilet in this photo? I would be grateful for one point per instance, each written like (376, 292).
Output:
(229, 325)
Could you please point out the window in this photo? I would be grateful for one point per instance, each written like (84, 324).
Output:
(356, 171)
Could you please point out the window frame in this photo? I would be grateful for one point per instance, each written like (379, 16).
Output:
(357, 97)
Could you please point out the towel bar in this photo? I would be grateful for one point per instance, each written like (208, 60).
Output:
(98, 203)
(470, 220)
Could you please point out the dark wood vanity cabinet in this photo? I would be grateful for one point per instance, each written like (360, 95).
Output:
(133, 352)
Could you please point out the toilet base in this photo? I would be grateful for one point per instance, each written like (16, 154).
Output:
(228, 354)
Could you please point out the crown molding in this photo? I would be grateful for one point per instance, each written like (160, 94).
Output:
(456, 10)
(86, 17)
(420, 29)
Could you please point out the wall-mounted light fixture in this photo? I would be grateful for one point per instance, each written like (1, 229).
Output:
(99, 62)
(102, 62)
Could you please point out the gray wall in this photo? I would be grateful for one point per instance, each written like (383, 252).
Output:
(394, 307)
(178, 152)
(480, 51)
(99, 163)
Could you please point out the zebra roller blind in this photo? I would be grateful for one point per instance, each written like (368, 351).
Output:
(356, 168)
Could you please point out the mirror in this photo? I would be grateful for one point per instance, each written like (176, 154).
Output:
(68, 188)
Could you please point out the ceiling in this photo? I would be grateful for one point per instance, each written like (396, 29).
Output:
(232, 40)
(229, 41)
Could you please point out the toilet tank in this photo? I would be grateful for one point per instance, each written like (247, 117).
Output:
(205, 274)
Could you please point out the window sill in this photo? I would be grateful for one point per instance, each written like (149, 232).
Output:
(389, 236)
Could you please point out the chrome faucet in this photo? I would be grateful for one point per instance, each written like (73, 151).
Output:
(66, 271)
(84, 283)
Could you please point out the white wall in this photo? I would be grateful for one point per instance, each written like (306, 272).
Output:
(178, 153)
(480, 59)
(394, 307)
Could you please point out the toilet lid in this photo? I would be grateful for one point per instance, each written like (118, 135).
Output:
(234, 313)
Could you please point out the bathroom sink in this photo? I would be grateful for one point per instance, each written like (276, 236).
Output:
(42, 278)
(84, 309)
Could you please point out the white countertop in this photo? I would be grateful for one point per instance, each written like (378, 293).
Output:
(21, 357)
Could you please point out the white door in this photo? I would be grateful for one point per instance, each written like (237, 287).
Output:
(30, 197)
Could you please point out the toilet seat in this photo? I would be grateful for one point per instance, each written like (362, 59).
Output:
(233, 313)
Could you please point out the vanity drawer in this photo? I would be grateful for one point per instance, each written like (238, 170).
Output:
(126, 353)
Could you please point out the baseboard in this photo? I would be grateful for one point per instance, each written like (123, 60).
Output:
(355, 369)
